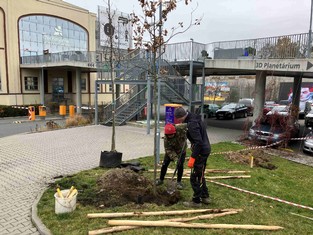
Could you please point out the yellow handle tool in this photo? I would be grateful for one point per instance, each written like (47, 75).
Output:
(69, 192)
(73, 193)
(60, 193)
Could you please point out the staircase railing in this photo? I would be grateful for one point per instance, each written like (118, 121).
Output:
(133, 67)
(175, 81)
(124, 101)
(107, 110)
(131, 108)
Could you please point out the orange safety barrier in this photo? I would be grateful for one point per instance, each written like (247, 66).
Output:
(62, 110)
(31, 113)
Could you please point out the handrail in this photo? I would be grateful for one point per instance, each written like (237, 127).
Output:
(120, 103)
(282, 47)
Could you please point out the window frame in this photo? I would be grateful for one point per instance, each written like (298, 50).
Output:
(31, 83)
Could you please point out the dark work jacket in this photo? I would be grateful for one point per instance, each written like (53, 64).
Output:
(197, 135)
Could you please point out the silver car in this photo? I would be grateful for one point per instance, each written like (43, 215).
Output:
(308, 143)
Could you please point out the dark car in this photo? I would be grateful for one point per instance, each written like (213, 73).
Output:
(249, 103)
(232, 111)
(208, 110)
(308, 119)
(268, 133)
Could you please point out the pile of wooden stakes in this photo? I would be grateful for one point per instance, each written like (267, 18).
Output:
(233, 174)
(122, 225)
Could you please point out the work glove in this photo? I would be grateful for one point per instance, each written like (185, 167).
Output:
(191, 162)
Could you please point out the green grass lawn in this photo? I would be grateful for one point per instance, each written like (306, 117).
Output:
(290, 181)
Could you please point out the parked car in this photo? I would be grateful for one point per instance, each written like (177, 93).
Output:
(279, 109)
(232, 111)
(268, 107)
(249, 103)
(308, 143)
(308, 119)
(208, 110)
(269, 133)
(284, 102)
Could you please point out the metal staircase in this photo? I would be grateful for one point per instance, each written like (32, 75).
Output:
(127, 106)
(132, 68)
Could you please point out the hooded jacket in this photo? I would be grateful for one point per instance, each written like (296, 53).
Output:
(197, 135)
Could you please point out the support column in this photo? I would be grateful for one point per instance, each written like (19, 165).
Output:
(259, 98)
(42, 86)
(78, 92)
(296, 93)
(190, 76)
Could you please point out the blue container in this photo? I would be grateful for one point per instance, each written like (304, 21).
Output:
(169, 113)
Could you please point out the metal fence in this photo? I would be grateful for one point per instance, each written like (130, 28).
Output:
(280, 47)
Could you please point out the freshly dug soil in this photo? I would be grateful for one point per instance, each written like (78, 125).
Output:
(261, 158)
(118, 187)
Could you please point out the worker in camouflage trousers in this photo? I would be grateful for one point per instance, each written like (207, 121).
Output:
(175, 145)
(200, 151)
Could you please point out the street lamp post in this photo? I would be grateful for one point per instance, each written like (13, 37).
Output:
(310, 32)
(190, 76)
(159, 89)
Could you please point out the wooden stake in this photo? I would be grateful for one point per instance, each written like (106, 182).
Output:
(225, 171)
(251, 161)
(178, 212)
(220, 177)
(302, 216)
(171, 171)
(191, 225)
(123, 228)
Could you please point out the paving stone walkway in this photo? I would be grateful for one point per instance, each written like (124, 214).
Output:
(28, 162)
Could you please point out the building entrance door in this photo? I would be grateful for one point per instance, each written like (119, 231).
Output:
(58, 90)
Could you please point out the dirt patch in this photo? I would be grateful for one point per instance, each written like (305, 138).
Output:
(118, 187)
(260, 158)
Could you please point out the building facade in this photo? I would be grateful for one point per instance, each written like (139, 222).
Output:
(47, 53)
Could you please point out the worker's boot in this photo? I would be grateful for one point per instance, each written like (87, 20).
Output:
(179, 185)
(159, 182)
(206, 200)
(192, 204)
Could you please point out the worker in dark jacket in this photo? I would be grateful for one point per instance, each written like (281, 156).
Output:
(175, 145)
(201, 149)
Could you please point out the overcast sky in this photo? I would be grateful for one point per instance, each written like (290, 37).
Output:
(225, 20)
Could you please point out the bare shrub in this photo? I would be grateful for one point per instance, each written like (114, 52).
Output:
(77, 120)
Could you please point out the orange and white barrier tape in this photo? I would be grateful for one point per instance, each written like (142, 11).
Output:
(250, 148)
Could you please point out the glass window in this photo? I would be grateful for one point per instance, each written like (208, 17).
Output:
(31, 83)
(83, 84)
(60, 35)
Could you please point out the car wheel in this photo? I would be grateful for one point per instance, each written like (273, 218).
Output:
(210, 115)
(217, 117)
(233, 116)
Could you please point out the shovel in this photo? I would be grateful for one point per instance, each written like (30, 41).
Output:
(171, 184)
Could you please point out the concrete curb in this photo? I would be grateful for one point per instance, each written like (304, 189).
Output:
(42, 229)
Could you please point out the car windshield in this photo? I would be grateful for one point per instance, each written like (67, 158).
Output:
(230, 106)
(280, 108)
(245, 102)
